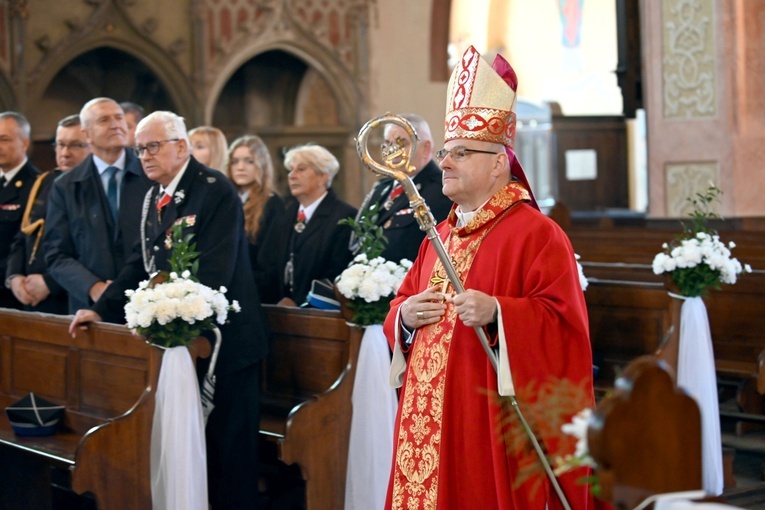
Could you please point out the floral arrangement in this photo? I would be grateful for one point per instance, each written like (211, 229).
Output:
(697, 260)
(171, 309)
(370, 281)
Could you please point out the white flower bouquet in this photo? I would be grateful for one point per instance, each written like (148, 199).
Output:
(698, 260)
(171, 310)
(369, 285)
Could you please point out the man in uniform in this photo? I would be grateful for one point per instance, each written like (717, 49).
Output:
(187, 190)
(17, 175)
(27, 275)
(391, 205)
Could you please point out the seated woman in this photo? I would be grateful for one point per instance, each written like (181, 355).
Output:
(251, 171)
(317, 247)
(208, 146)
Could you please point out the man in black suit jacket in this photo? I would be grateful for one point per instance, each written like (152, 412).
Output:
(17, 175)
(86, 241)
(391, 204)
(208, 202)
(27, 274)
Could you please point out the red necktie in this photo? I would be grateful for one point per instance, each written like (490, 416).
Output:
(301, 216)
(396, 192)
(163, 201)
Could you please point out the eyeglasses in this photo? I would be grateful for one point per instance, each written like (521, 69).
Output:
(70, 146)
(458, 153)
(152, 147)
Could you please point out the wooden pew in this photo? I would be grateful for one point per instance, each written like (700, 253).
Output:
(106, 378)
(646, 437)
(306, 398)
(630, 312)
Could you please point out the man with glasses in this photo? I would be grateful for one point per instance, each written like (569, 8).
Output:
(208, 202)
(388, 201)
(27, 274)
(522, 288)
(17, 174)
(94, 208)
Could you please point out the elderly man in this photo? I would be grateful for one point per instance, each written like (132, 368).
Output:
(211, 206)
(27, 274)
(388, 200)
(94, 208)
(522, 286)
(17, 175)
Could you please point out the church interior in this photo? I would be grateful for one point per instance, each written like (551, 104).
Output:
(626, 109)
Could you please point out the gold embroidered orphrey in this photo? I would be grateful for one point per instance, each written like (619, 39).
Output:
(418, 452)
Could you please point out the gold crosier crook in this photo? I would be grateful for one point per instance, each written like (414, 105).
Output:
(397, 165)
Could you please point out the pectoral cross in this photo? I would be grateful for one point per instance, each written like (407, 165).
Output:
(440, 280)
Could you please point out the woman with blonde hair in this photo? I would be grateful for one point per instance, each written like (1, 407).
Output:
(252, 172)
(208, 146)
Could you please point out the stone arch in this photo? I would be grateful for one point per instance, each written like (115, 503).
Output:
(305, 98)
(168, 74)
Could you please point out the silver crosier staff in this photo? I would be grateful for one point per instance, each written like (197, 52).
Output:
(397, 165)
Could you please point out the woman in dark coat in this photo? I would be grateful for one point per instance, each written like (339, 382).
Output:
(252, 172)
(317, 247)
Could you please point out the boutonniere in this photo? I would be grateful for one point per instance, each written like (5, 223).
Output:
(185, 221)
(178, 196)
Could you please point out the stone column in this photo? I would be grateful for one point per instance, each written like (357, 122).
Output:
(705, 107)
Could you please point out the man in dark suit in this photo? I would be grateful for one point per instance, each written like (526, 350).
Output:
(94, 209)
(27, 274)
(208, 202)
(17, 175)
(390, 203)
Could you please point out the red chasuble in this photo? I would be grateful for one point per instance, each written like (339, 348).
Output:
(450, 450)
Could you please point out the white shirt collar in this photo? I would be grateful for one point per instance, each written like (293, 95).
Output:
(10, 174)
(170, 189)
(463, 218)
(312, 208)
(102, 165)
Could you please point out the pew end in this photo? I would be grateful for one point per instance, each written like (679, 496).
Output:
(306, 397)
(106, 377)
(646, 436)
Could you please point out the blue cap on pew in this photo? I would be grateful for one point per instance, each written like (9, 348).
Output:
(34, 416)
(322, 295)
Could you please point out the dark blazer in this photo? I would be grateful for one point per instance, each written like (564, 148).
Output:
(321, 250)
(13, 200)
(82, 243)
(218, 227)
(399, 224)
(25, 258)
(266, 250)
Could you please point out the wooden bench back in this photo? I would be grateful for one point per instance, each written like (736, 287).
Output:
(106, 377)
(98, 375)
(630, 311)
(310, 349)
(646, 436)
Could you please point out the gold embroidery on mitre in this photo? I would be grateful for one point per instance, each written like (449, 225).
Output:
(479, 103)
